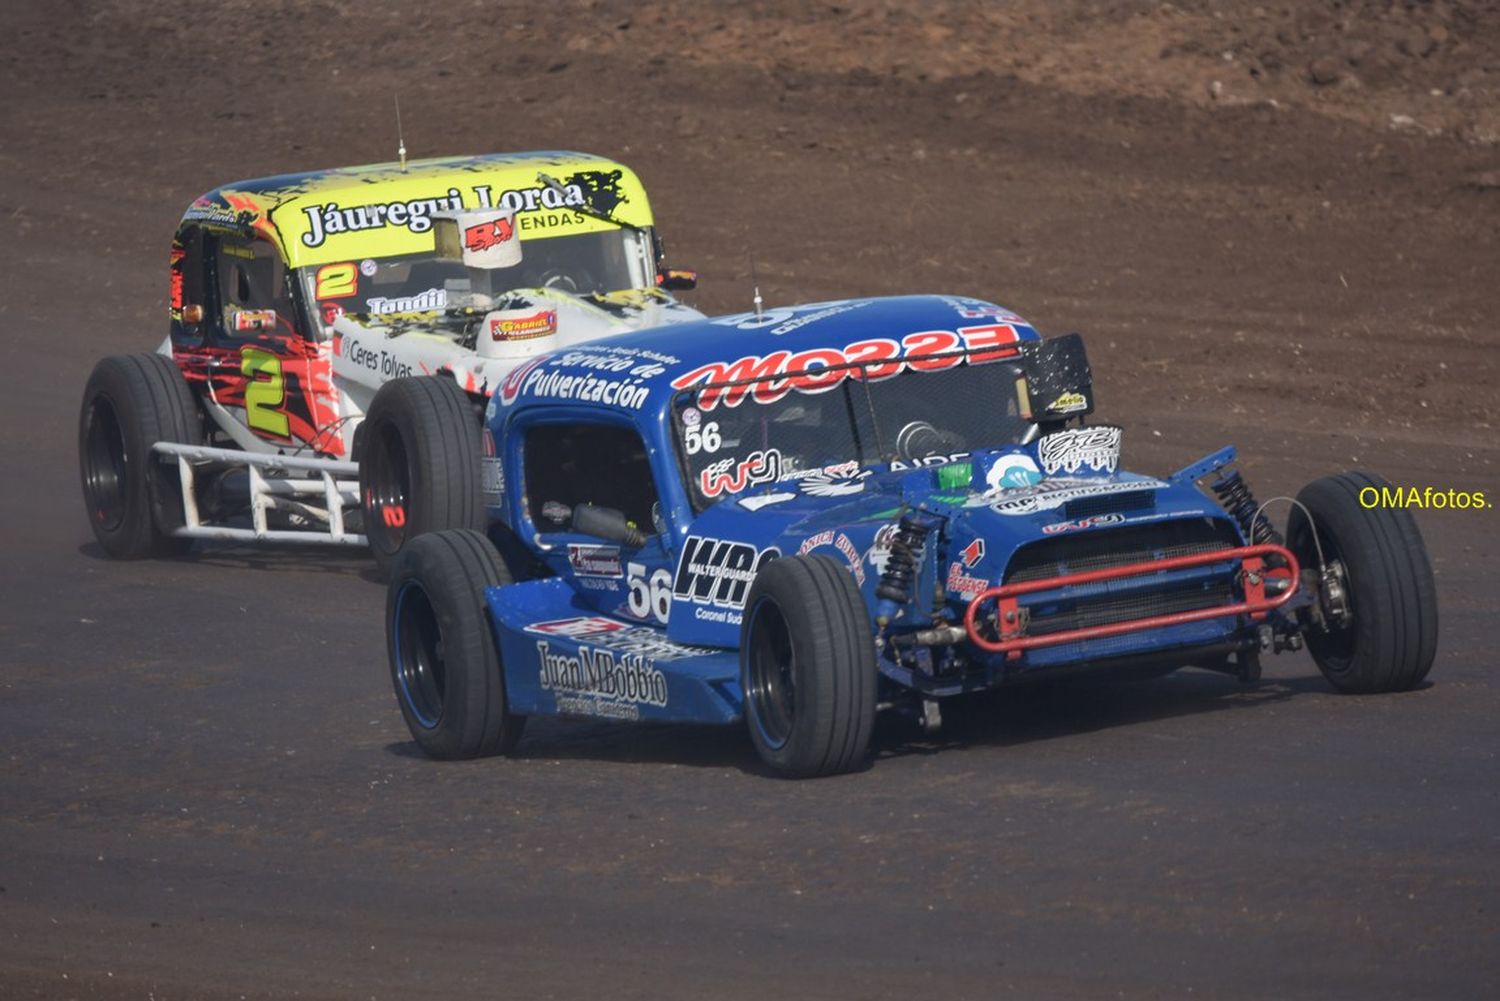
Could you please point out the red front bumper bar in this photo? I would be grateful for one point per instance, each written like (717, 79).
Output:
(1253, 575)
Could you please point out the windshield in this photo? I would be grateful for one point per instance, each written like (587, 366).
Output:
(735, 438)
(584, 263)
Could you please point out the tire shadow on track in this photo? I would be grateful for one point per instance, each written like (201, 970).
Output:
(1023, 715)
(682, 745)
(342, 560)
(1072, 708)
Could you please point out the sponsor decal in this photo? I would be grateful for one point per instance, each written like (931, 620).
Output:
(557, 512)
(422, 302)
(619, 637)
(595, 561)
(715, 576)
(1113, 518)
(802, 320)
(596, 682)
(382, 363)
(838, 541)
(577, 627)
(491, 470)
(490, 233)
(784, 321)
(691, 417)
(1068, 403)
(510, 386)
(830, 481)
(330, 218)
(1049, 494)
(623, 368)
(367, 267)
(757, 501)
(247, 321)
(928, 460)
(731, 476)
(824, 485)
(492, 479)
(587, 388)
(1012, 471)
(524, 328)
(769, 378)
(975, 309)
(1097, 448)
(972, 553)
(963, 585)
(331, 312)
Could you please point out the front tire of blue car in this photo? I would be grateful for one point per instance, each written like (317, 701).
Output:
(444, 665)
(807, 667)
(1390, 639)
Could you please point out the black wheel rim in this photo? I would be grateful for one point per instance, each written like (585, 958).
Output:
(1333, 649)
(421, 674)
(387, 485)
(105, 465)
(772, 694)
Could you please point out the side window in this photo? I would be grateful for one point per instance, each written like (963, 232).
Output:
(571, 464)
(253, 297)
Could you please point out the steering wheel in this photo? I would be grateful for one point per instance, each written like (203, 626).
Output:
(566, 280)
(919, 439)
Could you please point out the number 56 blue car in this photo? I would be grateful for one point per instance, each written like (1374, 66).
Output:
(798, 518)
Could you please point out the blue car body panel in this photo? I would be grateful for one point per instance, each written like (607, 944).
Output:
(652, 632)
(561, 656)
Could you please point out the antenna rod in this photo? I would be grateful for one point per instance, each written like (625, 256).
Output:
(755, 281)
(400, 138)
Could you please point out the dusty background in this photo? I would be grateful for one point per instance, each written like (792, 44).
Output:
(1278, 225)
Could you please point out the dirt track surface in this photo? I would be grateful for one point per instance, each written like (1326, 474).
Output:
(206, 790)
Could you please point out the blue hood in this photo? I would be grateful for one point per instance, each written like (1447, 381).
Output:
(989, 504)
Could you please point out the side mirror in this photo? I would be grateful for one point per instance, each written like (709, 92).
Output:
(606, 523)
(678, 280)
(1056, 382)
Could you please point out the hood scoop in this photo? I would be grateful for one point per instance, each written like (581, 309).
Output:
(1131, 500)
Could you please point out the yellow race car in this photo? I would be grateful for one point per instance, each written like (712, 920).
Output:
(334, 331)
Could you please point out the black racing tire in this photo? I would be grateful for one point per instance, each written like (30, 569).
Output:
(807, 667)
(445, 666)
(1390, 642)
(419, 450)
(134, 499)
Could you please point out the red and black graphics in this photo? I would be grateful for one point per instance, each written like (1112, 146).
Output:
(283, 385)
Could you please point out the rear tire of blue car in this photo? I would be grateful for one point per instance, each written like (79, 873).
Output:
(134, 500)
(1391, 638)
(444, 664)
(807, 667)
(418, 464)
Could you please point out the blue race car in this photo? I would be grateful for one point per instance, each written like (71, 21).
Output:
(800, 516)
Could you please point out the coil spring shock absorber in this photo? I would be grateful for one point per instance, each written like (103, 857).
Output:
(1235, 496)
(901, 565)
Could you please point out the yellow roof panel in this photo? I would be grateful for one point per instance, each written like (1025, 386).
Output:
(381, 210)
